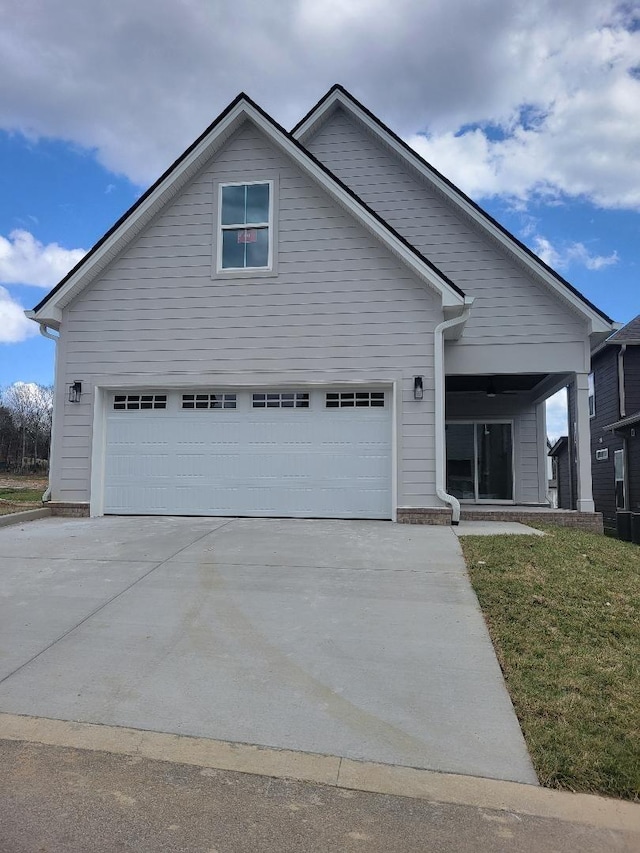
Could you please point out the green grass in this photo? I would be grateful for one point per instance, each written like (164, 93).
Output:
(563, 611)
(21, 495)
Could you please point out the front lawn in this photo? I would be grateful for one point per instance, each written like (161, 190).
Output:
(563, 611)
(17, 499)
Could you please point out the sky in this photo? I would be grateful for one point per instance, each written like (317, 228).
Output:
(532, 108)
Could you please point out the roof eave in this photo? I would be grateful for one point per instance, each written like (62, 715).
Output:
(623, 423)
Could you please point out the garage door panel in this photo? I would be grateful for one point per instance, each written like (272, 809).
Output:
(299, 462)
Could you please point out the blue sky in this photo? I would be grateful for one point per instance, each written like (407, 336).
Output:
(532, 109)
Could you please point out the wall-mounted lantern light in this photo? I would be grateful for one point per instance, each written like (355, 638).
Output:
(75, 392)
(418, 388)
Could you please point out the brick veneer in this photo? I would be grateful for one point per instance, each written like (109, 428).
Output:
(68, 510)
(582, 520)
(440, 515)
(425, 515)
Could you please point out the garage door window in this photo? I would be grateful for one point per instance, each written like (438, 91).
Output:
(281, 400)
(208, 401)
(354, 399)
(133, 402)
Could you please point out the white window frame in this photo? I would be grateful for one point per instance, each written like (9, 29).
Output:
(592, 395)
(220, 228)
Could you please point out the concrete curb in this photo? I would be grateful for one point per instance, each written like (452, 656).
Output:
(327, 770)
(26, 515)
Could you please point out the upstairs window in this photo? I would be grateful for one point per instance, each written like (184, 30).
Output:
(245, 226)
(592, 396)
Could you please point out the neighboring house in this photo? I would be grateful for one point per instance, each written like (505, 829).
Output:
(314, 323)
(615, 423)
(561, 467)
(552, 477)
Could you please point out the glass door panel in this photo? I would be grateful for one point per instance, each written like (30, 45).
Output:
(461, 461)
(494, 449)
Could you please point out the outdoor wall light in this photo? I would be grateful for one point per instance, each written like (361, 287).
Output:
(418, 388)
(75, 391)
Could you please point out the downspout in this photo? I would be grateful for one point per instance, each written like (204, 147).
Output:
(47, 334)
(439, 389)
(621, 392)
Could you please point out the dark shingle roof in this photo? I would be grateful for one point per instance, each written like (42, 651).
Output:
(629, 421)
(627, 334)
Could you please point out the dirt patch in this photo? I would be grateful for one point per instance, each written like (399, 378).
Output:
(23, 481)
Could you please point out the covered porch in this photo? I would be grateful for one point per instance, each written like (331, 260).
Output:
(496, 447)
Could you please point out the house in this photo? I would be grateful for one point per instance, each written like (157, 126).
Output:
(552, 476)
(614, 408)
(562, 472)
(312, 323)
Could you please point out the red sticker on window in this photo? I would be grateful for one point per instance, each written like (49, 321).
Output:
(249, 235)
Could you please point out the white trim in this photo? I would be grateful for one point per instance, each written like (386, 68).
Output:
(598, 323)
(396, 412)
(591, 380)
(220, 228)
(181, 173)
(541, 429)
(98, 451)
(582, 444)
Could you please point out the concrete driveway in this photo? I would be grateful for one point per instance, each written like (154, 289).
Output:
(359, 639)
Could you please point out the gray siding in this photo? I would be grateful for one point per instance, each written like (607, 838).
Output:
(632, 392)
(605, 370)
(565, 499)
(571, 448)
(607, 410)
(340, 308)
(510, 308)
(632, 379)
(633, 469)
(525, 436)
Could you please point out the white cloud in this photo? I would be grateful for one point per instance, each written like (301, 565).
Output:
(557, 415)
(14, 326)
(571, 254)
(138, 81)
(24, 260)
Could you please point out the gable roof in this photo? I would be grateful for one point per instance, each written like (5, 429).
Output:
(559, 446)
(629, 334)
(338, 96)
(241, 109)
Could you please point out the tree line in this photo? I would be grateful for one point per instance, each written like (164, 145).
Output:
(25, 427)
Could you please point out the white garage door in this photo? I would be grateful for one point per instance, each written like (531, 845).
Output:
(316, 454)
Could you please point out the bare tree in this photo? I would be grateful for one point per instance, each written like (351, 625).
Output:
(30, 408)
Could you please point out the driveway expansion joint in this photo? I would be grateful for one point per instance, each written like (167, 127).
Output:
(110, 601)
(388, 664)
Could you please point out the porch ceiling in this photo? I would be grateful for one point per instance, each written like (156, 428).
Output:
(502, 383)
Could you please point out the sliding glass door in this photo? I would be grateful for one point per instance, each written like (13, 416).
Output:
(480, 461)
